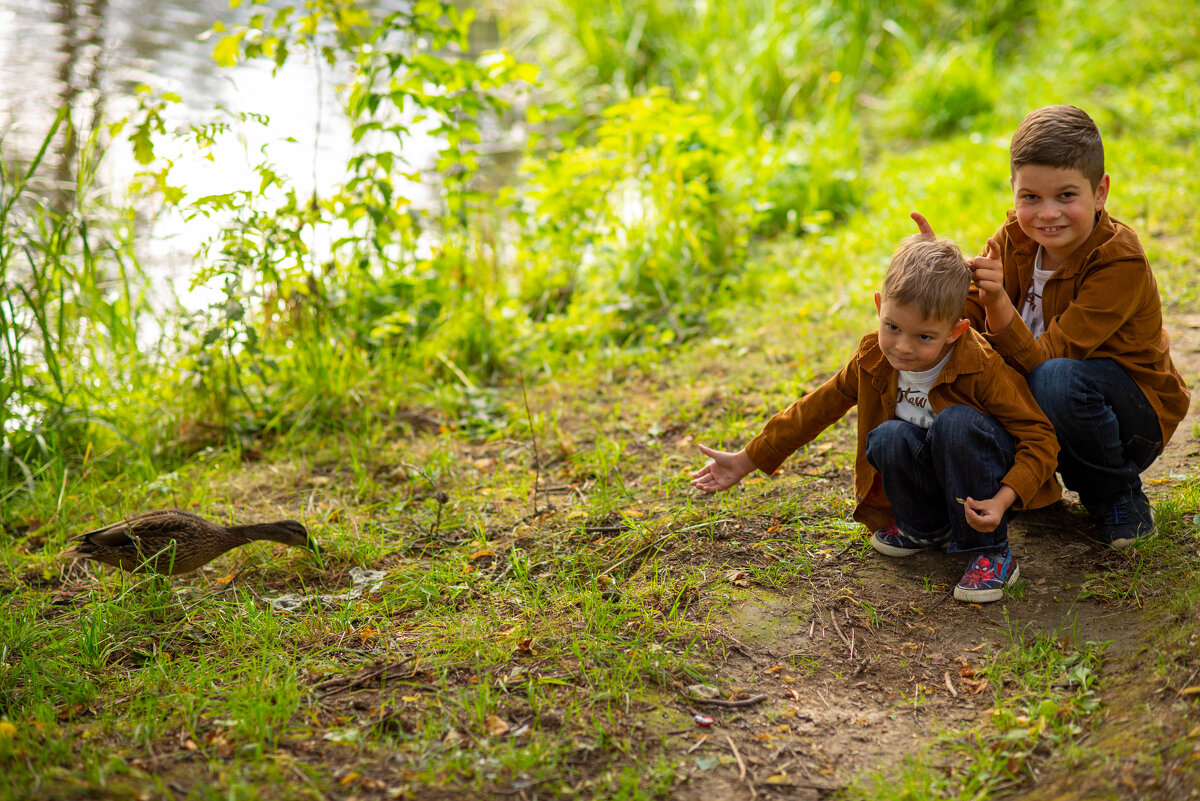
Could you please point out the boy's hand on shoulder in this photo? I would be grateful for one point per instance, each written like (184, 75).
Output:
(988, 274)
(725, 470)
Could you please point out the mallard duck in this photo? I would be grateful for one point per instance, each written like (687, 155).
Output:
(173, 541)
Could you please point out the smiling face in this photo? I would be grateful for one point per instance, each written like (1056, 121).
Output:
(910, 341)
(1056, 207)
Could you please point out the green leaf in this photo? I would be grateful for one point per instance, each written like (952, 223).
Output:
(226, 51)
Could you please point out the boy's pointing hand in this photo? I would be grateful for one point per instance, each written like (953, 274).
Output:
(725, 470)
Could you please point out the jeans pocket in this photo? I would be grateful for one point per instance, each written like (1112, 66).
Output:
(1142, 451)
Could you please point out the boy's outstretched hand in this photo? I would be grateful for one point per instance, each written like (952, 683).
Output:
(725, 470)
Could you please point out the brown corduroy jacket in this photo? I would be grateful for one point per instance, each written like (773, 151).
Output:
(1101, 303)
(975, 376)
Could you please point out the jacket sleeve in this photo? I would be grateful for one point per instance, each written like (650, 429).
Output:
(1006, 398)
(800, 423)
(1109, 295)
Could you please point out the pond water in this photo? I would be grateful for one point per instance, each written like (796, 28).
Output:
(91, 53)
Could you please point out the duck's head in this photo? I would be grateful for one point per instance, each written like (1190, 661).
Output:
(295, 534)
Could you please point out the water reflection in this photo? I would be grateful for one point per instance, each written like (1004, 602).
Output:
(88, 55)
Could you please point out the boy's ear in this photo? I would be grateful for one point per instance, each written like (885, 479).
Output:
(1102, 192)
(959, 329)
(878, 305)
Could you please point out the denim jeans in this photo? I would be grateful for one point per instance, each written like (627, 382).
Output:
(965, 453)
(1107, 431)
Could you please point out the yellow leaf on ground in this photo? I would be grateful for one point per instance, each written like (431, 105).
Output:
(495, 726)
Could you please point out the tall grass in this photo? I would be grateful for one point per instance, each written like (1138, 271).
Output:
(72, 307)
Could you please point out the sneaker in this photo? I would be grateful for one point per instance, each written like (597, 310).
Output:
(986, 577)
(891, 542)
(1124, 518)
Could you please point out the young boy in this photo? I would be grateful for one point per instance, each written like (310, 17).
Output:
(1066, 296)
(949, 437)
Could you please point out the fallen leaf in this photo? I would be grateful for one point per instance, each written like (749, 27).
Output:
(481, 553)
(495, 726)
(975, 687)
(1189, 691)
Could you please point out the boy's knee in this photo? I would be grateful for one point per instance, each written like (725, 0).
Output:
(955, 422)
(1053, 381)
(889, 438)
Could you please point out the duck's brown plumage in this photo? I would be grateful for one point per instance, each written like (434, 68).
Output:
(173, 541)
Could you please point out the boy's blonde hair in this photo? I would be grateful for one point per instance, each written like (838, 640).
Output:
(1059, 136)
(930, 275)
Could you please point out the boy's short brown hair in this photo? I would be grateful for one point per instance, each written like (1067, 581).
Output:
(930, 275)
(1059, 136)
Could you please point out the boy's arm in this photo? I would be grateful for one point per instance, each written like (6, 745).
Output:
(786, 432)
(1109, 295)
(800, 423)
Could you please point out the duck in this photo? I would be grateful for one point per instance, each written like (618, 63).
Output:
(172, 541)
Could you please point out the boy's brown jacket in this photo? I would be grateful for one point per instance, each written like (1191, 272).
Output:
(1101, 303)
(974, 376)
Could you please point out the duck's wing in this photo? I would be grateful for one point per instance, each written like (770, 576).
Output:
(163, 523)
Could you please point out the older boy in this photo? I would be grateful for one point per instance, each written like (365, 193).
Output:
(949, 437)
(1069, 300)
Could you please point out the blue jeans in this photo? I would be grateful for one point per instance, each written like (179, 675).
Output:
(965, 453)
(1107, 431)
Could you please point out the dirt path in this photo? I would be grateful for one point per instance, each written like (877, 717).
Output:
(861, 667)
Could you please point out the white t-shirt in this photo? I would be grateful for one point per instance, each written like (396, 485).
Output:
(1031, 307)
(912, 394)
